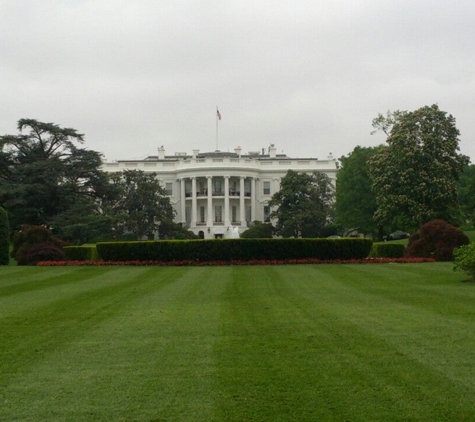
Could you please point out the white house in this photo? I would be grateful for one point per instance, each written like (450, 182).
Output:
(216, 193)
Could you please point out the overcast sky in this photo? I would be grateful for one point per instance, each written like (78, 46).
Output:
(307, 76)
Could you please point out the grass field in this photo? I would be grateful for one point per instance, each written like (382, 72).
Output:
(365, 343)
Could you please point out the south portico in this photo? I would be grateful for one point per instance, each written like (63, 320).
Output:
(215, 205)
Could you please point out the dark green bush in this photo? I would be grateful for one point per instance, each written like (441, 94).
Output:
(44, 252)
(4, 238)
(387, 250)
(28, 237)
(81, 253)
(464, 259)
(436, 239)
(235, 249)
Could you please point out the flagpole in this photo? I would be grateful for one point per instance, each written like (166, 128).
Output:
(217, 119)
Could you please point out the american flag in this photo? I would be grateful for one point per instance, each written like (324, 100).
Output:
(218, 114)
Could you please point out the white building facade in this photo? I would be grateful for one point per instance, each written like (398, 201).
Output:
(218, 193)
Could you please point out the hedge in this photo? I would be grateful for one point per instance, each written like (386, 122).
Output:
(4, 238)
(234, 249)
(387, 250)
(81, 253)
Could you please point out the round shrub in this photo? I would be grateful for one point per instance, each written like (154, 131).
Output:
(44, 252)
(28, 237)
(465, 259)
(436, 239)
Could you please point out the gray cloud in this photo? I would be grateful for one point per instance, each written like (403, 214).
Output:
(307, 76)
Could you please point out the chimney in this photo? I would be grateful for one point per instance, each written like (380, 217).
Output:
(195, 153)
(238, 150)
(272, 151)
(161, 153)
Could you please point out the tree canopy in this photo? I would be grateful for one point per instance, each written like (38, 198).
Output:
(44, 172)
(303, 205)
(415, 177)
(355, 202)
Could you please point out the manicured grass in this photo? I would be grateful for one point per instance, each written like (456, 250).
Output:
(389, 342)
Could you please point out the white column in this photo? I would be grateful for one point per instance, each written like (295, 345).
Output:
(227, 219)
(209, 221)
(253, 199)
(193, 201)
(183, 201)
(242, 210)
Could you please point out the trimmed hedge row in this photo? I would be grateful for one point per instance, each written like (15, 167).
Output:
(234, 249)
(81, 253)
(387, 250)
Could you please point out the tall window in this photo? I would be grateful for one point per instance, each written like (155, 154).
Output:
(169, 188)
(233, 213)
(217, 186)
(202, 214)
(266, 186)
(218, 217)
(266, 214)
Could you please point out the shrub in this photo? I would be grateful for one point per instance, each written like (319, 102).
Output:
(4, 238)
(28, 237)
(259, 231)
(234, 249)
(44, 252)
(464, 259)
(436, 239)
(81, 253)
(387, 250)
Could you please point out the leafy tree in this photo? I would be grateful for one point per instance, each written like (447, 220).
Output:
(170, 230)
(355, 202)
(303, 204)
(4, 238)
(142, 204)
(415, 177)
(259, 231)
(43, 172)
(466, 194)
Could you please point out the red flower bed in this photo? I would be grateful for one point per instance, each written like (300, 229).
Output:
(251, 262)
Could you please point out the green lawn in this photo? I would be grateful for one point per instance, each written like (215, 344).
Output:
(259, 343)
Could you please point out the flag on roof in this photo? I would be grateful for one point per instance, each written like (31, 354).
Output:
(218, 114)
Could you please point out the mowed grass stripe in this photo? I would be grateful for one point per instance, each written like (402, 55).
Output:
(151, 357)
(327, 360)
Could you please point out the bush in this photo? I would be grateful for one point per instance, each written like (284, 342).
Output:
(259, 231)
(81, 253)
(464, 259)
(234, 249)
(30, 236)
(4, 238)
(387, 250)
(436, 239)
(44, 252)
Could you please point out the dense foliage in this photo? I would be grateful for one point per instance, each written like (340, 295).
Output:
(44, 252)
(234, 249)
(355, 202)
(436, 239)
(464, 259)
(415, 177)
(466, 195)
(303, 205)
(28, 238)
(4, 238)
(43, 173)
(259, 231)
(142, 203)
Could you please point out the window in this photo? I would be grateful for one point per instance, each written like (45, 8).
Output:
(234, 213)
(266, 214)
(218, 187)
(202, 214)
(266, 186)
(218, 218)
(169, 188)
(188, 214)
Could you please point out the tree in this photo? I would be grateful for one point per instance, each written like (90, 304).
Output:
(142, 204)
(415, 177)
(466, 194)
(43, 172)
(355, 202)
(303, 204)
(259, 230)
(4, 238)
